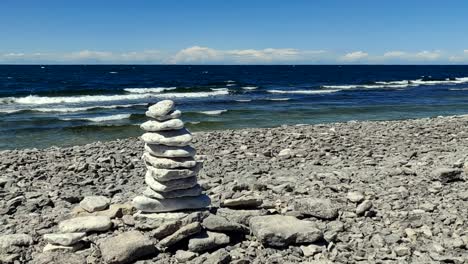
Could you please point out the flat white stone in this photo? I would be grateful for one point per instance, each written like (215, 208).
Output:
(154, 126)
(180, 138)
(85, 224)
(65, 239)
(162, 175)
(169, 163)
(95, 203)
(194, 191)
(170, 151)
(172, 115)
(146, 204)
(161, 108)
(168, 186)
(72, 248)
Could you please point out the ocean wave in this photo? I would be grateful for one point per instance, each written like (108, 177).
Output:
(231, 84)
(213, 112)
(279, 99)
(68, 109)
(302, 91)
(400, 84)
(458, 89)
(368, 86)
(44, 100)
(249, 88)
(243, 100)
(436, 82)
(100, 118)
(220, 89)
(149, 90)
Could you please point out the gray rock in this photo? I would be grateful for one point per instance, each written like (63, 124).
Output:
(242, 202)
(363, 207)
(192, 191)
(207, 240)
(183, 256)
(239, 216)
(65, 239)
(168, 186)
(155, 126)
(446, 175)
(173, 174)
(126, 247)
(319, 208)
(161, 108)
(70, 248)
(169, 163)
(170, 152)
(285, 153)
(311, 250)
(181, 137)
(221, 256)
(8, 241)
(85, 224)
(355, 197)
(171, 115)
(146, 204)
(281, 231)
(221, 224)
(95, 203)
(183, 233)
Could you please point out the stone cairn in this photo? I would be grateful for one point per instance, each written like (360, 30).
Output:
(171, 175)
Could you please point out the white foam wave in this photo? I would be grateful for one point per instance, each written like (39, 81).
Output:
(302, 91)
(243, 100)
(399, 84)
(279, 99)
(230, 84)
(44, 100)
(101, 118)
(368, 86)
(149, 90)
(458, 89)
(249, 88)
(113, 72)
(220, 89)
(213, 112)
(446, 81)
(230, 81)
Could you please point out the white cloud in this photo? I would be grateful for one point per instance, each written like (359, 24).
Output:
(465, 52)
(428, 55)
(354, 56)
(394, 54)
(197, 54)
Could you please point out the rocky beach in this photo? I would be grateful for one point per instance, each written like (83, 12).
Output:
(354, 192)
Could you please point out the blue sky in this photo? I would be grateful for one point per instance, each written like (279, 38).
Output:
(234, 32)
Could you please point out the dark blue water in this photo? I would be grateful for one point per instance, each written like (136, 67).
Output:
(41, 106)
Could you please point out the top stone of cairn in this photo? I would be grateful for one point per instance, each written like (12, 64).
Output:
(163, 110)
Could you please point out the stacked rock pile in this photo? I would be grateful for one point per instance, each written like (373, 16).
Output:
(172, 171)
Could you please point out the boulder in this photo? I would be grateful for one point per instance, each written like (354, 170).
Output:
(183, 233)
(173, 174)
(161, 108)
(281, 231)
(166, 163)
(180, 138)
(168, 186)
(170, 151)
(126, 248)
(85, 224)
(155, 126)
(65, 239)
(147, 204)
(319, 208)
(95, 203)
(192, 191)
(206, 241)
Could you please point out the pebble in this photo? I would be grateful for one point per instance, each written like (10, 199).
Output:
(447, 175)
(183, 256)
(355, 197)
(182, 233)
(319, 208)
(207, 240)
(363, 207)
(126, 247)
(65, 239)
(242, 202)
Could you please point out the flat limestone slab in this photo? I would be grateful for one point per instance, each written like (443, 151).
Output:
(85, 224)
(168, 186)
(170, 151)
(181, 137)
(194, 191)
(147, 204)
(169, 163)
(155, 126)
(173, 174)
(170, 115)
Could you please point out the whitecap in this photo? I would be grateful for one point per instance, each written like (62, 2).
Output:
(243, 100)
(42, 100)
(302, 91)
(101, 118)
(213, 112)
(458, 89)
(230, 81)
(113, 72)
(249, 88)
(279, 99)
(219, 89)
(231, 84)
(149, 90)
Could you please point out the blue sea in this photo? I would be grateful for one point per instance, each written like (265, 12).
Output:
(42, 106)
